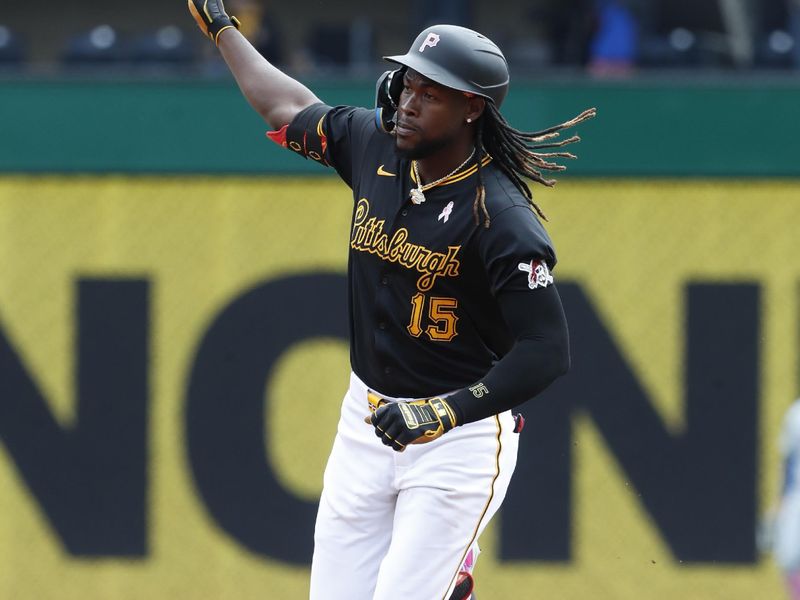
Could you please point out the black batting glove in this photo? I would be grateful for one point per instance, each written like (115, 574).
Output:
(211, 17)
(417, 422)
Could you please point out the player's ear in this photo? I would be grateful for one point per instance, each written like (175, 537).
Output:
(475, 107)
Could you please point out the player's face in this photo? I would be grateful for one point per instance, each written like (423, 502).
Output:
(429, 116)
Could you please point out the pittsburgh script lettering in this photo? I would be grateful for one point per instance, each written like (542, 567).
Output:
(368, 236)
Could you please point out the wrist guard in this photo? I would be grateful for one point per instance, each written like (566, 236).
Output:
(211, 17)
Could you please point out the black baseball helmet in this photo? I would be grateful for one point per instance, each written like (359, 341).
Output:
(459, 58)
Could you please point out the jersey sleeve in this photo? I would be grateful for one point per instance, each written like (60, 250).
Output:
(332, 136)
(516, 251)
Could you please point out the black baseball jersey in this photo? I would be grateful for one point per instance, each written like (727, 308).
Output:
(424, 279)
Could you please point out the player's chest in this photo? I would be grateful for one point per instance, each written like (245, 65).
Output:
(387, 216)
(397, 228)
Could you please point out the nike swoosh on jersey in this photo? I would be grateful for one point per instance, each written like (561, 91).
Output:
(385, 173)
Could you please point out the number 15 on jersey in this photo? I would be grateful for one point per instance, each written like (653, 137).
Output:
(439, 314)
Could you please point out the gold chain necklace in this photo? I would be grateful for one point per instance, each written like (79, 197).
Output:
(417, 193)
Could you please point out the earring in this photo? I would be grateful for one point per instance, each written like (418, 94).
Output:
(469, 120)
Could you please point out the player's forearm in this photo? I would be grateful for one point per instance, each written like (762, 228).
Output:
(526, 371)
(539, 357)
(271, 92)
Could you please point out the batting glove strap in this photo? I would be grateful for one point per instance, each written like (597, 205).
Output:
(432, 418)
(212, 18)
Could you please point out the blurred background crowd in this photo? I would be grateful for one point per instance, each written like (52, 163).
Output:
(612, 38)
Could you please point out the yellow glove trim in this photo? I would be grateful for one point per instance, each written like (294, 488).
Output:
(442, 404)
(441, 409)
(201, 23)
(205, 10)
(216, 39)
(394, 441)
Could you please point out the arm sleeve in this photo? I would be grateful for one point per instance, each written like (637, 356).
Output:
(539, 356)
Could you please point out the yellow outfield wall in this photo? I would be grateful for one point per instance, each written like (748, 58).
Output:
(197, 244)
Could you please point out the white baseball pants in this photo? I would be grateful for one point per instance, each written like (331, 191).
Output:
(395, 525)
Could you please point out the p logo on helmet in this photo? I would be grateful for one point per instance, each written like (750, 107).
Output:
(430, 41)
(464, 60)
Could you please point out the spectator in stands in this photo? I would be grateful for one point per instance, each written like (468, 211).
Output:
(613, 48)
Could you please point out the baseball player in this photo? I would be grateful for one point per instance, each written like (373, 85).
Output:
(787, 519)
(454, 315)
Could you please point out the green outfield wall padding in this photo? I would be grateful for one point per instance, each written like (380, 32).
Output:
(668, 128)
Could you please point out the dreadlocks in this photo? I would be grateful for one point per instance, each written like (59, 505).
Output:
(515, 154)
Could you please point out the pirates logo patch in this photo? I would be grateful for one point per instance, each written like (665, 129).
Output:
(538, 273)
